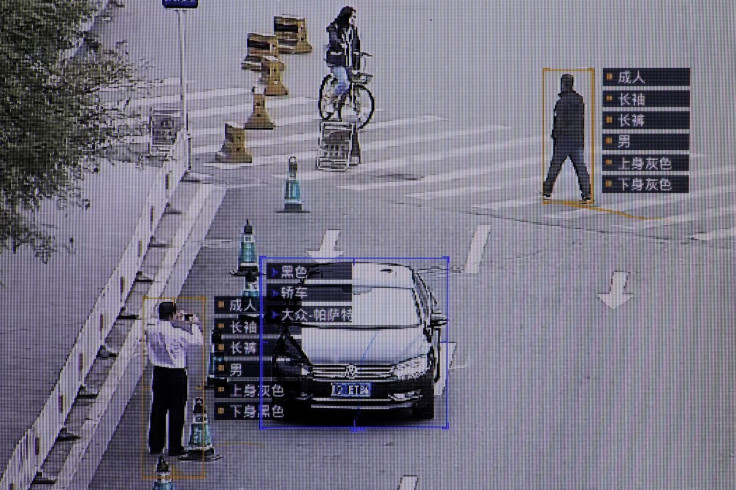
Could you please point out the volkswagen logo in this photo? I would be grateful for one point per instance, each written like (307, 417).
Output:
(351, 371)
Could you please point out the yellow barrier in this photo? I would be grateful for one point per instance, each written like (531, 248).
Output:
(233, 149)
(292, 34)
(259, 45)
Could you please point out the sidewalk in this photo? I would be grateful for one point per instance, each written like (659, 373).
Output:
(45, 305)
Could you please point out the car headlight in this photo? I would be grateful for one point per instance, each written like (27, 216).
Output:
(412, 368)
(293, 367)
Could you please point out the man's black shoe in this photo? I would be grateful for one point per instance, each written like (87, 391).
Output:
(178, 452)
(546, 197)
(586, 200)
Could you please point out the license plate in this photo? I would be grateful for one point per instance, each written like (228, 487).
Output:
(351, 390)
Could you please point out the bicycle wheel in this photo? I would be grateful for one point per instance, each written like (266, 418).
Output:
(358, 107)
(326, 89)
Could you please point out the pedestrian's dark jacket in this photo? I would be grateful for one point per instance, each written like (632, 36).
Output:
(348, 35)
(569, 117)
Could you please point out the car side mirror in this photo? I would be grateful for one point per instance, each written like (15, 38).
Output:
(437, 320)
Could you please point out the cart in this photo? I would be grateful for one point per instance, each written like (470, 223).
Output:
(338, 146)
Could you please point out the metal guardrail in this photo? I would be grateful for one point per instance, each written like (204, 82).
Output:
(33, 448)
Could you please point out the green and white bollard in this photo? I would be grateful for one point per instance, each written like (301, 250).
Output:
(163, 476)
(200, 446)
(292, 193)
(247, 258)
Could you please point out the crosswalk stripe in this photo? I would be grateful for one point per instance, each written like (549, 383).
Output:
(426, 157)
(511, 203)
(445, 176)
(166, 82)
(246, 109)
(200, 95)
(293, 138)
(714, 235)
(460, 191)
(680, 218)
(456, 191)
(376, 145)
(650, 201)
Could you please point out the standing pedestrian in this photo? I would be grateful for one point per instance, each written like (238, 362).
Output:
(168, 340)
(568, 134)
(344, 44)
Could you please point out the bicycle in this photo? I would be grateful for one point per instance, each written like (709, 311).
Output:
(358, 100)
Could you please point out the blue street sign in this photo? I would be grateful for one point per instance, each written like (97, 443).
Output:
(180, 4)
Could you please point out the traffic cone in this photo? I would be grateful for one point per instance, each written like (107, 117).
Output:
(200, 438)
(233, 148)
(247, 259)
(260, 118)
(292, 193)
(215, 357)
(163, 476)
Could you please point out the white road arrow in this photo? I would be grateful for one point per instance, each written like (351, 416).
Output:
(616, 297)
(327, 249)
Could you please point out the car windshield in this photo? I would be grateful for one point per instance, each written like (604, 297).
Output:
(380, 307)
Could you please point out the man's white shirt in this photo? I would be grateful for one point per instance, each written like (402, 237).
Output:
(167, 345)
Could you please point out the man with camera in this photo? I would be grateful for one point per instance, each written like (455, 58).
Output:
(168, 340)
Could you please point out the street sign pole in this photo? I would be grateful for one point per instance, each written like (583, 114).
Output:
(183, 86)
(180, 6)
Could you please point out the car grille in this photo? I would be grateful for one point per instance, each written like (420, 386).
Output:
(339, 371)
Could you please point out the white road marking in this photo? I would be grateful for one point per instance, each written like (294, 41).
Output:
(477, 246)
(650, 201)
(408, 482)
(327, 249)
(311, 136)
(681, 218)
(714, 235)
(512, 203)
(192, 96)
(422, 158)
(447, 176)
(247, 109)
(447, 353)
(456, 191)
(377, 145)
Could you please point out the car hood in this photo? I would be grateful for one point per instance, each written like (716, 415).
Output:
(363, 346)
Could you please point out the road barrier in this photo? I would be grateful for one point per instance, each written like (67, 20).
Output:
(272, 68)
(233, 148)
(259, 45)
(33, 448)
(259, 119)
(292, 34)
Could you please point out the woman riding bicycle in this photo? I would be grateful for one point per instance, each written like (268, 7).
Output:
(344, 44)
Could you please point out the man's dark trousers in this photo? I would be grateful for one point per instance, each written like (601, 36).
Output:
(169, 396)
(567, 147)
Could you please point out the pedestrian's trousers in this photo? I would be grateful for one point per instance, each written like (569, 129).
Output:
(169, 397)
(564, 148)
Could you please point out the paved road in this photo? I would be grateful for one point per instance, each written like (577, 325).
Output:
(549, 387)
